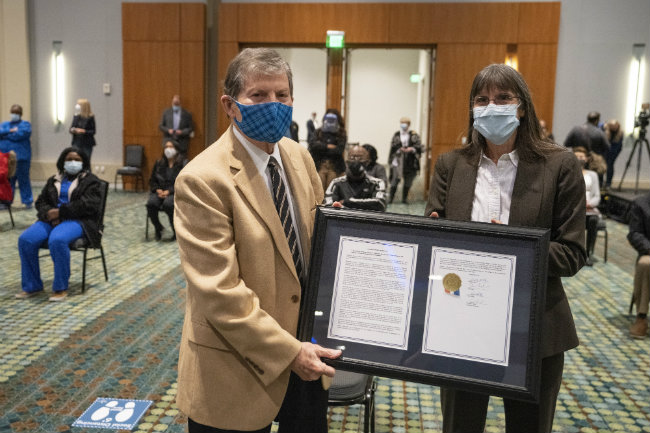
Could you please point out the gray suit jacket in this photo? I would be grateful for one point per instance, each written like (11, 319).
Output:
(185, 125)
(548, 193)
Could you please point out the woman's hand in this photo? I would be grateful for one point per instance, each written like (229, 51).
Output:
(53, 214)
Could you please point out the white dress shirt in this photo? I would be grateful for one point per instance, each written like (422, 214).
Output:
(493, 191)
(261, 160)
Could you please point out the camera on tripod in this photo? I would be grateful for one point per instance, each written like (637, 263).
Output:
(643, 118)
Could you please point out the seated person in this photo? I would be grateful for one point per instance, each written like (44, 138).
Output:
(356, 189)
(639, 238)
(161, 184)
(67, 208)
(370, 163)
(592, 188)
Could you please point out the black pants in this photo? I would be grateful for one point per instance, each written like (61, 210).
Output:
(156, 204)
(592, 233)
(304, 410)
(465, 412)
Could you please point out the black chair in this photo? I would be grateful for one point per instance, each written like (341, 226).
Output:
(8, 207)
(602, 227)
(82, 244)
(133, 163)
(350, 388)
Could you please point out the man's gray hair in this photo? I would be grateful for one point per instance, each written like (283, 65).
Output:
(254, 62)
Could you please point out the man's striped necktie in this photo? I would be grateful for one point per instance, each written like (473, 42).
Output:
(282, 206)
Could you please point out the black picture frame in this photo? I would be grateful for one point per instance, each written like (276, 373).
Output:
(519, 379)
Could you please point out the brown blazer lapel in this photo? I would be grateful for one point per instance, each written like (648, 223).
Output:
(255, 191)
(526, 194)
(461, 188)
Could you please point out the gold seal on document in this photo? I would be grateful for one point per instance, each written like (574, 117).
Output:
(451, 282)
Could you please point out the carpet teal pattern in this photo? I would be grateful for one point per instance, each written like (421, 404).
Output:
(120, 340)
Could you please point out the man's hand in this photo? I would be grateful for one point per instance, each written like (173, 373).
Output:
(14, 129)
(433, 215)
(170, 131)
(159, 193)
(338, 204)
(308, 366)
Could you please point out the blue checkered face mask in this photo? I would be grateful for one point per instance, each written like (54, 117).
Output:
(267, 122)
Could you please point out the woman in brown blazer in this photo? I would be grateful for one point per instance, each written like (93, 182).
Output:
(507, 173)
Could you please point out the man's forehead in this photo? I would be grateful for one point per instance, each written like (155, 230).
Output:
(256, 80)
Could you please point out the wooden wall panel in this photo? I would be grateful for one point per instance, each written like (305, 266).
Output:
(308, 23)
(539, 22)
(537, 63)
(430, 23)
(192, 72)
(456, 66)
(163, 55)
(228, 18)
(192, 22)
(150, 80)
(227, 51)
(150, 21)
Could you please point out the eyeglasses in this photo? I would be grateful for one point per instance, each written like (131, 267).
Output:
(500, 99)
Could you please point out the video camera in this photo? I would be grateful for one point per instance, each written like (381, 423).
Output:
(643, 118)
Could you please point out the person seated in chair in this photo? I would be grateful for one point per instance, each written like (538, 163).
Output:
(68, 208)
(161, 184)
(639, 238)
(592, 189)
(356, 189)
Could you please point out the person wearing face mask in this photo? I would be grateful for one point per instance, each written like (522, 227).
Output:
(507, 173)
(615, 136)
(327, 147)
(244, 218)
(592, 189)
(83, 128)
(15, 135)
(176, 124)
(161, 184)
(404, 158)
(67, 209)
(370, 163)
(356, 190)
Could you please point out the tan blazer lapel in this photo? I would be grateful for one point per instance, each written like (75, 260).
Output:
(255, 191)
(526, 194)
(298, 179)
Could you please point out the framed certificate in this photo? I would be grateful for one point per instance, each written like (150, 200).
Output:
(449, 303)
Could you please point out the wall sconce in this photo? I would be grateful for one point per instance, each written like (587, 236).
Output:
(635, 84)
(511, 56)
(57, 72)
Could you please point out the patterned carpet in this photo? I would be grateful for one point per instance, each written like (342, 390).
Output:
(120, 340)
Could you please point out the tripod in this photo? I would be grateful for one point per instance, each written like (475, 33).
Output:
(637, 143)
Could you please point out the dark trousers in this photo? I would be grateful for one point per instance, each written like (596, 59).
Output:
(592, 233)
(156, 204)
(304, 410)
(465, 412)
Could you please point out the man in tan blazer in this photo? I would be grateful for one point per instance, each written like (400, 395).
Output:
(509, 174)
(240, 363)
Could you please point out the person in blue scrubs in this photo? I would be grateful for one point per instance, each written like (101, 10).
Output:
(15, 135)
(68, 208)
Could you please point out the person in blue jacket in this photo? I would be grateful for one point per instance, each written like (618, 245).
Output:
(14, 135)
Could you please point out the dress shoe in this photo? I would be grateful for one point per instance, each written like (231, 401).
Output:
(589, 262)
(58, 296)
(25, 295)
(639, 329)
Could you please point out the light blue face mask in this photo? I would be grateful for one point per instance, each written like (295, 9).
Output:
(496, 122)
(265, 122)
(72, 167)
(15, 117)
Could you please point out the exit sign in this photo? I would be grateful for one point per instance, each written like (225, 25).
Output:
(335, 39)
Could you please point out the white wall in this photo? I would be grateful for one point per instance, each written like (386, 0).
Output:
(380, 92)
(309, 68)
